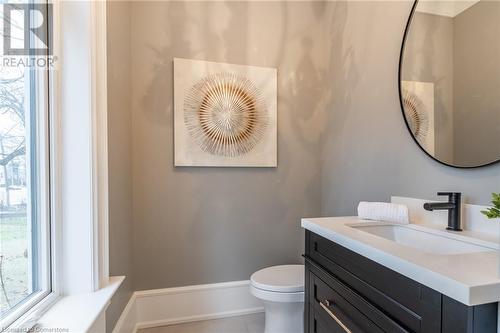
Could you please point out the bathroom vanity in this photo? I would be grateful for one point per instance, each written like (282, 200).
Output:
(377, 277)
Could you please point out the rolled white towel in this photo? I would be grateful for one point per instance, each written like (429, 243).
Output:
(383, 211)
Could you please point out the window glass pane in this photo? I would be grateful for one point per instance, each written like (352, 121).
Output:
(15, 228)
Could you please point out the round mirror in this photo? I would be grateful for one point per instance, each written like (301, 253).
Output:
(449, 80)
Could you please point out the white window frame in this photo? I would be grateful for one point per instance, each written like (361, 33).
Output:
(79, 170)
(100, 143)
(83, 146)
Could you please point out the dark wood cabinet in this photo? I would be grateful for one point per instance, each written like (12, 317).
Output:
(346, 292)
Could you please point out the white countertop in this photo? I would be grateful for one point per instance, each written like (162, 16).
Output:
(470, 278)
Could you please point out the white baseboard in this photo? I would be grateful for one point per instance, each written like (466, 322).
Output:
(128, 319)
(160, 307)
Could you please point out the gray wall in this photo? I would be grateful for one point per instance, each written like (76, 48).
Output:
(204, 225)
(119, 155)
(477, 83)
(429, 58)
(368, 153)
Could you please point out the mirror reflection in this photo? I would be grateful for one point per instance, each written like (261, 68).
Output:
(450, 80)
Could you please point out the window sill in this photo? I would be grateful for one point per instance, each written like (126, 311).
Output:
(78, 313)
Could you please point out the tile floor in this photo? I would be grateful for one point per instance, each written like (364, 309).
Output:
(253, 323)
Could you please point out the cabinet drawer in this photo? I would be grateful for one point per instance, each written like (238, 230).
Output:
(324, 323)
(335, 300)
(333, 311)
(413, 306)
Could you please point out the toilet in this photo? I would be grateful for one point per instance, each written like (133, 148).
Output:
(281, 289)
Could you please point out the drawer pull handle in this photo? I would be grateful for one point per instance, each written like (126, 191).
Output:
(326, 306)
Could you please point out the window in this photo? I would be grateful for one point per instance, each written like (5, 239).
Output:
(25, 230)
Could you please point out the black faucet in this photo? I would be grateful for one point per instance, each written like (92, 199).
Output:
(454, 207)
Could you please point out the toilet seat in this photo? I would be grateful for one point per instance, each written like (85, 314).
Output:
(279, 279)
(273, 296)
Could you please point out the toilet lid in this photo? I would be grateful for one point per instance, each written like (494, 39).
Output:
(285, 278)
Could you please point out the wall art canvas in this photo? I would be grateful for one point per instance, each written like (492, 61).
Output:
(418, 103)
(224, 115)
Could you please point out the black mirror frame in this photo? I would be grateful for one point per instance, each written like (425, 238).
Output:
(401, 55)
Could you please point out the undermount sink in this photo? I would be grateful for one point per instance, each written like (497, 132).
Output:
(421, 240)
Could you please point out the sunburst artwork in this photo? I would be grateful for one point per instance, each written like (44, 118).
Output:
(416, 114)
(225, 115)
(418, 105)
